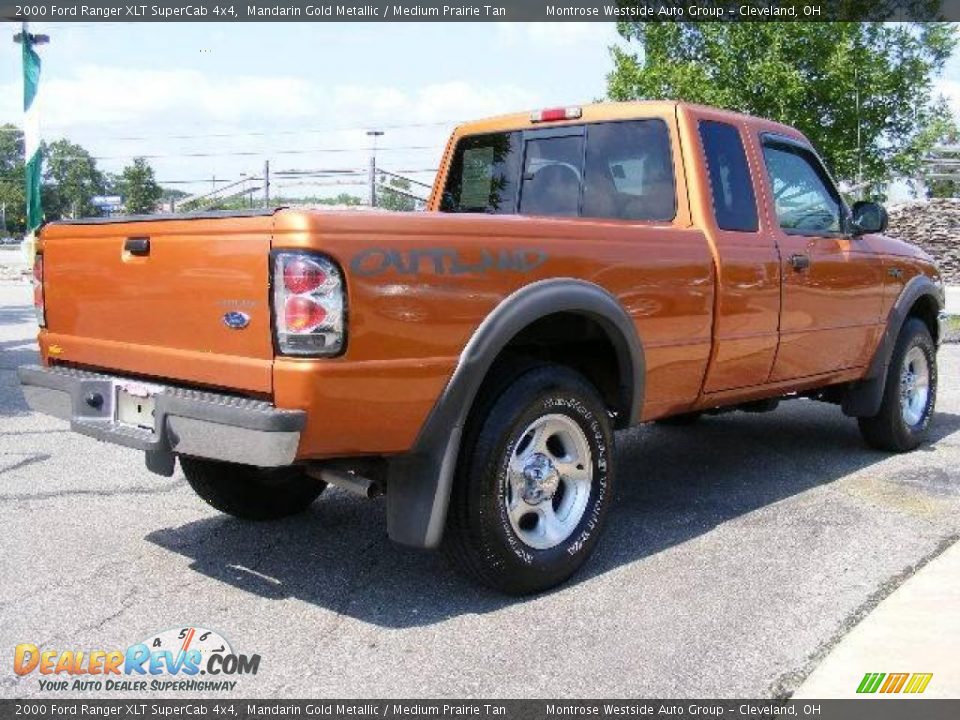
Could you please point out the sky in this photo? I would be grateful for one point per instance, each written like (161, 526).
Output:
(215, 100)
(205, 100)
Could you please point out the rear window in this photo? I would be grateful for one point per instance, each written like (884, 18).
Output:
(625, 172)
(483, 174)
(734, 204)
(551, 176)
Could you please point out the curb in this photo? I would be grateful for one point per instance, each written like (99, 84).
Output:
(912, 631)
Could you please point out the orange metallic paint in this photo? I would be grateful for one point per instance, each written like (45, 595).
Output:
(705, 303)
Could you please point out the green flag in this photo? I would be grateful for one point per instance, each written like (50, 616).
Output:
(31, 133)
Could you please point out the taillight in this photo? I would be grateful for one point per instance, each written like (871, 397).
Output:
(308, 304)
(38, 306)
(301, 275)
(303, 314)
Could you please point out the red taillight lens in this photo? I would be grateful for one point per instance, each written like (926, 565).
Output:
(38, 304)
(303, 314)
(309, 304)
(302, 276)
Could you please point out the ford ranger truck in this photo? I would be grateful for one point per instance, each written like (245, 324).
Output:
(578, 271)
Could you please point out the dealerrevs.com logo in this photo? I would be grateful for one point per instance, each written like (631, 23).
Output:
(189, 659)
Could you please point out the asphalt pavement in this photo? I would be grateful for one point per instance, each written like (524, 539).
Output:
(740, 552)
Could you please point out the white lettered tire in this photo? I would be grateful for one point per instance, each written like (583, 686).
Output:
(534, 482)
(909, 394)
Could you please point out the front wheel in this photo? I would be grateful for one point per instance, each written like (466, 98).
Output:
(534, 483)
(909, 394)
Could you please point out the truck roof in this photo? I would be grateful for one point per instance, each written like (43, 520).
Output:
(606, 111)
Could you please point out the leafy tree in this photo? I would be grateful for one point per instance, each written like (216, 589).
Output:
(340, 199)
(833, 81)
(388, 197)
(11, 178)
(139, 188)
(71, 179)
(168, 194)
(943, 137)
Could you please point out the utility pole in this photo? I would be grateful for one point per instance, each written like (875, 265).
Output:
(856, 86)
(266, 183)
(374, 134)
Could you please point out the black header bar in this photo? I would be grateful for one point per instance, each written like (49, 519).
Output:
(483, 11)
(147, 709)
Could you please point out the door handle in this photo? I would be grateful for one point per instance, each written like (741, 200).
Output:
(799, 261)
(137, 245)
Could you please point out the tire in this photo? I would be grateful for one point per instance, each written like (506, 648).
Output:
(902, 424)
(527, 507)
(251, 493)
(682, 420)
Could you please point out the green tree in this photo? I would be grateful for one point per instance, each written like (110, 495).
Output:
(942, 136)
(862, 92)
(340, 199)
(11, 179)
(139, 188)
(388, 197)
(71, 179)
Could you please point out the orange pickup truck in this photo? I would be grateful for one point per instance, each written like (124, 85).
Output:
(579, 270)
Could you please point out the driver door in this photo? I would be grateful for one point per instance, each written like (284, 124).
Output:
(831, 284)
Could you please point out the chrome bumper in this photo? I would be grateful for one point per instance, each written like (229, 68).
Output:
(187, 422)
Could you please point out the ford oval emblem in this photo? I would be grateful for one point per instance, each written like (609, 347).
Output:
(236, 320)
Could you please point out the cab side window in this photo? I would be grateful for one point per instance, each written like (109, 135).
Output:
(734, 204)
(628, 171)
(805, 199)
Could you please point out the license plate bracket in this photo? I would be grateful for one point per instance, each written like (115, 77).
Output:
(135, 406)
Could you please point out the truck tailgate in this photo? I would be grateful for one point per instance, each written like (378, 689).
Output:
(150, 298)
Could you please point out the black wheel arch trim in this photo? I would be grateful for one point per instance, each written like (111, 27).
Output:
(419, 482)
(863, 399)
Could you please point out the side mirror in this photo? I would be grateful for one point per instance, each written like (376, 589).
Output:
(868, 217)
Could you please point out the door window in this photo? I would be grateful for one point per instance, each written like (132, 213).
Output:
(805, 200)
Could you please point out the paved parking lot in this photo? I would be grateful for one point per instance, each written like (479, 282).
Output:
(741, 549)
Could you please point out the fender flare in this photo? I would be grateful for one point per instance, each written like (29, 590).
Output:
(419, 482)
(864, 397)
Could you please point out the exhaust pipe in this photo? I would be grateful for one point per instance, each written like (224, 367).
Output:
(352, 483)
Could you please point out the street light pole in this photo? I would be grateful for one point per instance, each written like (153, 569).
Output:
(374, 134)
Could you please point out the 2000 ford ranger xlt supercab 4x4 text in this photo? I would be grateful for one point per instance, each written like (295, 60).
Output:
(579, 270)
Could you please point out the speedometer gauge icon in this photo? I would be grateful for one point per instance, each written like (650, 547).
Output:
(179, 641)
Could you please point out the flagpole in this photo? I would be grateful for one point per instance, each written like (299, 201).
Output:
(31, 137)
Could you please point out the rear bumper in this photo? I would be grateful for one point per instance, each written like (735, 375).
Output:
(187, 422)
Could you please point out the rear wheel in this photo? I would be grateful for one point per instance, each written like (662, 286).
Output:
(534, 483)
(251, 493)
(909, 394)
